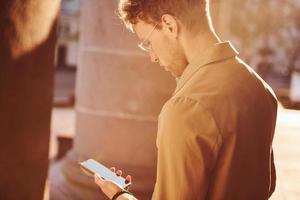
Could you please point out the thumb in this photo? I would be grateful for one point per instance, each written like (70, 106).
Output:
(98, 180)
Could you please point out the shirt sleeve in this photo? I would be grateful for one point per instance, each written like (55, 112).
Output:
(188, 142)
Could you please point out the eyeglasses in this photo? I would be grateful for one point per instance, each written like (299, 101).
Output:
(146, 44)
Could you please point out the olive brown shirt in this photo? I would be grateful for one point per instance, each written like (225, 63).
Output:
(215, 133)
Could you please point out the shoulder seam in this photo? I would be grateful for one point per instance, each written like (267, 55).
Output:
(202, 106)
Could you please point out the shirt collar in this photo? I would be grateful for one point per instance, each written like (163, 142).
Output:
(217, 52)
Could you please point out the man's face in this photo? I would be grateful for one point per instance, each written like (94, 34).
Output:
(162, 48)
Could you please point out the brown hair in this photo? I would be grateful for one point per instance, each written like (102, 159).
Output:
(189, 12)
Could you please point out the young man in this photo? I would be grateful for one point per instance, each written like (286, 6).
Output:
(215, 133)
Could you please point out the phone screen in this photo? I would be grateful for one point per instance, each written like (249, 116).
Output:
(94, 167)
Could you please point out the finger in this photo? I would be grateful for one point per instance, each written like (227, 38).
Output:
(98, 180)
(113, 169)
(119, 173)
(128, 179)
(127, 188)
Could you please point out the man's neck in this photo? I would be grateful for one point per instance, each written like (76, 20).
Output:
(197, 43)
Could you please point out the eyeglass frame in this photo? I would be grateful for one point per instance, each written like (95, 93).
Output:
(148, 46)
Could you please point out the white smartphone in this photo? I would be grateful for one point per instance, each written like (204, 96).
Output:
(92, 167)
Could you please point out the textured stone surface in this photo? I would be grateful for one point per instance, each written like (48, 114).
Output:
(101, 27)
(118, 83)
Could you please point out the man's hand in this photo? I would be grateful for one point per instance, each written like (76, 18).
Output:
(108, 187)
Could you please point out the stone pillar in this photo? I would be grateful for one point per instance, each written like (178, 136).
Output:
(119, 96)
(27, 40)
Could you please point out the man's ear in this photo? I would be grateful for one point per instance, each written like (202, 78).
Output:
(170, 25)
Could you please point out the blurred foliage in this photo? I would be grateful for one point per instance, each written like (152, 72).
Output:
(268, 30)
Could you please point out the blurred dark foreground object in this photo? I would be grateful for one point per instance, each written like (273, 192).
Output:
(27, 40)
